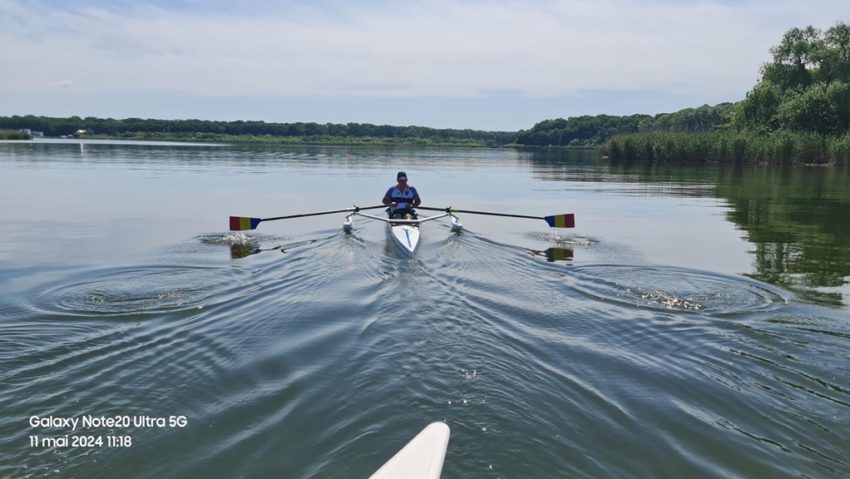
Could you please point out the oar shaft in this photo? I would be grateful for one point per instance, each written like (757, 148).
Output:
(302, 215)
(242, 223)
(453, 210)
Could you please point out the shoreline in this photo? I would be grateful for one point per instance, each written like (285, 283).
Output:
(289, 141)
(655, 147)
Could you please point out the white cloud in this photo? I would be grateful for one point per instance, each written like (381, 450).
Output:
(426, 48)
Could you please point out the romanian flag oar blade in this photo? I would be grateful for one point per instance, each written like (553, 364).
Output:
(561, 221)
(241, 223)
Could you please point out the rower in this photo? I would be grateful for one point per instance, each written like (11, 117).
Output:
(402, 199)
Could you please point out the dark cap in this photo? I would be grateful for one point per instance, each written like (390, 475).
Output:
(401, 176)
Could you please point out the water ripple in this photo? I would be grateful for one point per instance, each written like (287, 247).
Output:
(669, 288)
(143, 290)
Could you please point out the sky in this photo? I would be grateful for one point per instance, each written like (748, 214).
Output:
(482, 64)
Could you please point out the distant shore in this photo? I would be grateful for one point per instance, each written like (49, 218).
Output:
(270, 140)
(298, 140)
(254, 132)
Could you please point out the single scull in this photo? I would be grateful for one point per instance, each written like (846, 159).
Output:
(404, 233)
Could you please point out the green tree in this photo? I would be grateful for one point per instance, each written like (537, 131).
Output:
(795, 59)
(806, 86)
(758, 110)
(823, 108)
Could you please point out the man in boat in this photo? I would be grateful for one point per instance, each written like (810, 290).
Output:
(402, 199)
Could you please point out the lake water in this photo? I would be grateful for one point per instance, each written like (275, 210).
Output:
(694, 323)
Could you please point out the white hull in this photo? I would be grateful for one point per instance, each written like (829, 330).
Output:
(404, 233)
(421, 458)
(405, 236)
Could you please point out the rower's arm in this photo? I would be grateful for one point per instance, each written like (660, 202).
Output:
(387, 200)
(416, 201)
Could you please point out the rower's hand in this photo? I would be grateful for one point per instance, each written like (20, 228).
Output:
(393, 204)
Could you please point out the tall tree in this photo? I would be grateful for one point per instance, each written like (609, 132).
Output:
(806, 87)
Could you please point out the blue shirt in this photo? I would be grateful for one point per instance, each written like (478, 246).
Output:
(402, 198)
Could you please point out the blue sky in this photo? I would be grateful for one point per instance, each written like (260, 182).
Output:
(484, 64)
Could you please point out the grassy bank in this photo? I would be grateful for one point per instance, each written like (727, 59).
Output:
(14, 135)
(779, 148)
(573, 147)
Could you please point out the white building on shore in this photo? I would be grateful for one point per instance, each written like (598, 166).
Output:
(32, 133)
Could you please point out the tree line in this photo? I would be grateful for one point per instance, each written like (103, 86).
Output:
(597, 129)
(129, 127)
(798, 111)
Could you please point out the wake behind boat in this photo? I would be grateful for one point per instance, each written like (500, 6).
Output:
(404, 233)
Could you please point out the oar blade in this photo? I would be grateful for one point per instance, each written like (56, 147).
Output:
(241, 223)
(561, 221)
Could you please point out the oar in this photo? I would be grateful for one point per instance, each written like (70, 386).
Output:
(567, 220)
(242, 223)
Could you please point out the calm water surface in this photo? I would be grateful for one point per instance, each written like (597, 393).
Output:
(695, 323)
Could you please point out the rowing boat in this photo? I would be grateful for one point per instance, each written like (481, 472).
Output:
(421, 458)
(403, 233)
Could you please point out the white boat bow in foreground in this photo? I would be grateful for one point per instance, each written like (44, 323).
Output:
(421, 458)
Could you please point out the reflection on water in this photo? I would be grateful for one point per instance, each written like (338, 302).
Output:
(555, 254)
(799, 221)
(798, 218)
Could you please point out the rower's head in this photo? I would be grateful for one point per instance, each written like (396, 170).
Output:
(401, 177)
